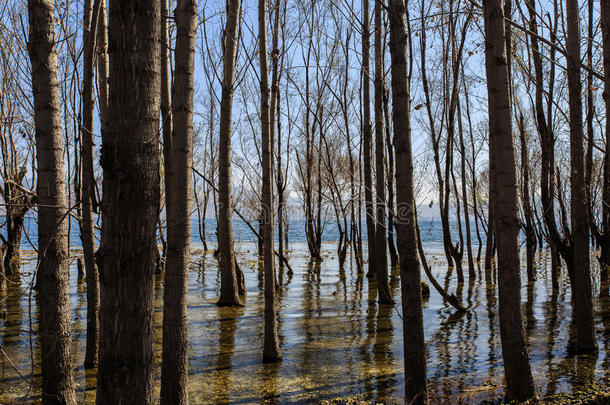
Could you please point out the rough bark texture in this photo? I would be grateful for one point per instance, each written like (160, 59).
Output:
(130, 160)
(178, 186)
(87, 183)
(229, 294)
(580, 275)
(381, 256)
(519, 382)
(271, 345)
(369, 207)
(410, 277)
(605, 240)
(52, 275)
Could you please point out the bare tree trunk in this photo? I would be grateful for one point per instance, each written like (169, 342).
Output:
(471, 272)
(503, 183)
(271, 345)
(381, 256)
(130, 160)
(528, 227)
(178, 185)
(410, 276)
(369, 207)
(53, 271)
(547, 177)
(580, 275)
(88, 183)
(102, 61)
(605, 240)
(391, 175)
(229, 291)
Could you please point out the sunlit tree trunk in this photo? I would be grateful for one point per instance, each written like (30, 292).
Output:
(130, 205)
(369, 207)
(381, 255)
(52, 274)
(410, 277)
(102, 60)
(503, 199)
(229, 292)
(178, 193)
(271, 345)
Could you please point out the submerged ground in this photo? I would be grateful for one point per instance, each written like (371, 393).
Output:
(336, 341)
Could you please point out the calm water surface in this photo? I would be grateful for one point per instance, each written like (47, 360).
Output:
(335, 339)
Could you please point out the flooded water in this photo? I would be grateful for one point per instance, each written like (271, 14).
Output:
(335, 339)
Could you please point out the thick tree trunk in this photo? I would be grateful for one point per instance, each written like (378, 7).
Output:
(130, 160)
(88, 184)
(369, 206)
(53, 272)
(15, 217)
(410, 276)
(580, 276)
(381, 255)
(503, 183)
(229, 291)
(271, 345)
(178, 194)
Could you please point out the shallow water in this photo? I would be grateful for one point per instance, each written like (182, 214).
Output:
(335, 339)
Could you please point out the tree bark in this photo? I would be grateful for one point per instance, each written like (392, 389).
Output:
(528, 227)
(53, 265)
(229, 292)
(381, 256)
(605, 240)
(503, 184)
(271, 345)
(369, 207)
(88, 184)
(178, 195)
(130, 160)
(580, 275)
(410, 276)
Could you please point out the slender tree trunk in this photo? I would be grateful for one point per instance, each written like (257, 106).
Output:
(528, 228)
(229, 292)
(271, 345)
(580, 275)
(130, 160)
(87, 182)
(471, 272)
(381, 255)
(605, 240)
(102, 61)
(391, 174)
(519, 382)
(416, 380)
(547, 177)
(369, 207)
(53, 272)
(178, 192)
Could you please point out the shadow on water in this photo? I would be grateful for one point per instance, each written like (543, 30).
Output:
(335, 338)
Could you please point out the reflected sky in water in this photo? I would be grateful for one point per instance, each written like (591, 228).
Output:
(335, 339)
